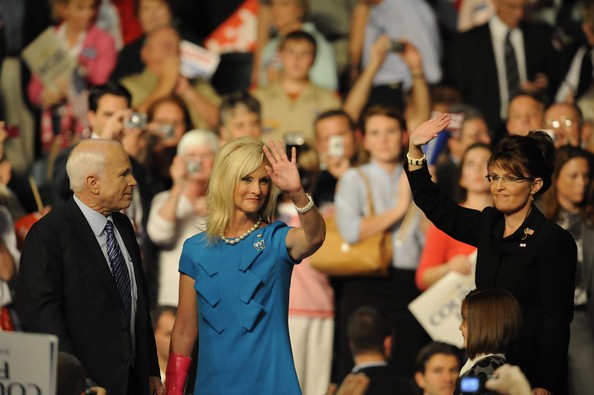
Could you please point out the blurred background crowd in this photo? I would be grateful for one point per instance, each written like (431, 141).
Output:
(342, 81)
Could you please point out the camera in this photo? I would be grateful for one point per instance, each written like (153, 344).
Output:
(336, 146)
(136, 120)
(293, 139)
(396, 46)
(167, 130)
(470, 385)
(193, 166)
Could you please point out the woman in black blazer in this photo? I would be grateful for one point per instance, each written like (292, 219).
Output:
(518, 248)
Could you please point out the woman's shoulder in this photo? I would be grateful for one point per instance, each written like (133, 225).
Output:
(198, 241)
(275, 227)
(486, 366)
(551, 231)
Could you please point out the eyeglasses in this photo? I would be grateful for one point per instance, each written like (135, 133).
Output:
(493, 178)
(564, 122)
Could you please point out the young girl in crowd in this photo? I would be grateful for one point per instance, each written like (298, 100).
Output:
(491, 320)
(95, 55)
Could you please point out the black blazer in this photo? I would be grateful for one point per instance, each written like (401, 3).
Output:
(588, 269)
(383, 381)
(536, 264)
(66, 288)
(470, 66)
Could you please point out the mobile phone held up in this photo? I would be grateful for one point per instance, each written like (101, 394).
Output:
(470, 385)
(396, 46)
(336, 146)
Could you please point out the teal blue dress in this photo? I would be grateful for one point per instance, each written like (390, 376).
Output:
(243, 298)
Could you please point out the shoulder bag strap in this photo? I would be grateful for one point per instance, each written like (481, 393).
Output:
(368, 189)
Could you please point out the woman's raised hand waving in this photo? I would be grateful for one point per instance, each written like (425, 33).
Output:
(282, 171)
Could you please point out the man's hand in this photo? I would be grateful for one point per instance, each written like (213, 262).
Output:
(114, 127)
(540, 83)
(156, 386)
(169, 74)
(98, 390)
(178, 171)
(378, 51)
(412, 57)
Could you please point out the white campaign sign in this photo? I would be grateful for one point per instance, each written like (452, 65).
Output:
(28, 363)
(438, 308)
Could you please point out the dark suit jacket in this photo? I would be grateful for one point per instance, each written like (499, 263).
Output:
(536, 264)
(382, 381)
(61, 193)
(66, 288)
(588, 269)
(470, 66)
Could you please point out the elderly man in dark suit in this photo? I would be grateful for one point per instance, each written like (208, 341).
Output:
(81, 275)
(493, 62)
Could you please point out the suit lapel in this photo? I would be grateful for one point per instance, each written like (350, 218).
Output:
(91, 246)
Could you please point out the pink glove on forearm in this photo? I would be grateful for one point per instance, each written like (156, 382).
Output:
(176, 373)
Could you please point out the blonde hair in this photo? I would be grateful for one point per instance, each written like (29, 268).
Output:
(236, 159)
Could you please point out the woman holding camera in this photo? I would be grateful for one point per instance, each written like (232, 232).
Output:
(179, 213)
(518, 248)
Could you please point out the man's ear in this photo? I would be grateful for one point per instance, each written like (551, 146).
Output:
(93, 183)
(91, 119)
(388, 347)
(420, 379)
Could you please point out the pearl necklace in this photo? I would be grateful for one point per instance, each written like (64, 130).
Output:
(235, 240)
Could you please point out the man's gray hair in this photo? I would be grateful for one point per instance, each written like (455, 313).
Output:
(84, 161)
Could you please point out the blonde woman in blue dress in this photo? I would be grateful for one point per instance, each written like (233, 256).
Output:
(235, 276)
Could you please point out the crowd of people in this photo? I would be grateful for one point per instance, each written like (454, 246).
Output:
(162, 224)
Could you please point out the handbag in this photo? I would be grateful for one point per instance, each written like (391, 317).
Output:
(371, 256)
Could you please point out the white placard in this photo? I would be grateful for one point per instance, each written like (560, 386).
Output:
(48, 58)
(28, 363)
(438, 308)
(197, 62)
